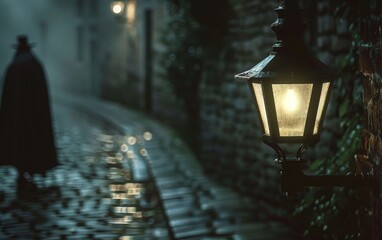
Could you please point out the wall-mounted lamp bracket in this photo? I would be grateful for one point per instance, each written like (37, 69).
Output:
(281, 156)
(293, 179)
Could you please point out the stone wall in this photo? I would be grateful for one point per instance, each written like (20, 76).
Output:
(371, 67)
(232, 148)
(330, 38)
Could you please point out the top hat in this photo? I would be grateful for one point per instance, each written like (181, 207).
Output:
(22, 42)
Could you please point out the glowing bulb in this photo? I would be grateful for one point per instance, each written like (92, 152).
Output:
(117, 9)
(291, 101)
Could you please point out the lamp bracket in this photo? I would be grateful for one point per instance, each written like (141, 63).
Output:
(301, 151)
(281, 156)
(293, 180)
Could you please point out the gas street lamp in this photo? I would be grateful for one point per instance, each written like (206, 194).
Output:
(291, 90)
(118, 7)
(124, 9)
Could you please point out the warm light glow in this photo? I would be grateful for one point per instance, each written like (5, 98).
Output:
(126, 238)
(124, 220)
(133, 185)
(117, 7)
(130, 13)
(117, 187)
(120, 196)
(124, 148)
(130, 154)
(291, 101)
(147, 136)
(131, 140)
(320, 110)
(138, 215)
(124, 209)
(291, 105)
(260, 102)
(112, 160)
(143, 152)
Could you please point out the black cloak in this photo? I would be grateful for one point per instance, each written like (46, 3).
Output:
(26, 135)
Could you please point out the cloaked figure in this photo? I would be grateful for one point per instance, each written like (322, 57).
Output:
(26, 135)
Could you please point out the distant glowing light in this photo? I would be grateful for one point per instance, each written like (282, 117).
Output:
(117, 8)
(131, 140)
(130, 154)
(124, 148)
(291, 101)
(143, 152)
(147, 136)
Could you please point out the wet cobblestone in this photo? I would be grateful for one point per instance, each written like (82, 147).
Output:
(101, 190)
(124, 176)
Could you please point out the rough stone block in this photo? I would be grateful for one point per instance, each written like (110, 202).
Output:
(323, 6)
(323, 42)
(325, 24)
(340, 44)
(342, 26)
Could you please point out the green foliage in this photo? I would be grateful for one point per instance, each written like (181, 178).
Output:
(193, 38)
(333, 213)
(183, 57)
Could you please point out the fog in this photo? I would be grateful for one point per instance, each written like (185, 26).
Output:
(70, 38)
(33, 18)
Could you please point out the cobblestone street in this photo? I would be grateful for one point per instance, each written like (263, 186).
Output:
(125, 176)
(101, 190)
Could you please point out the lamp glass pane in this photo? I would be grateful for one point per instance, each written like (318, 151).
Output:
(292, 103)
(321, 104)
(260, 103)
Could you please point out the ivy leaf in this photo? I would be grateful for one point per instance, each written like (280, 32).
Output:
(316, 165)
(344, 108)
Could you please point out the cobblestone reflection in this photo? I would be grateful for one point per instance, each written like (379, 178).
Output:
(101, 190)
